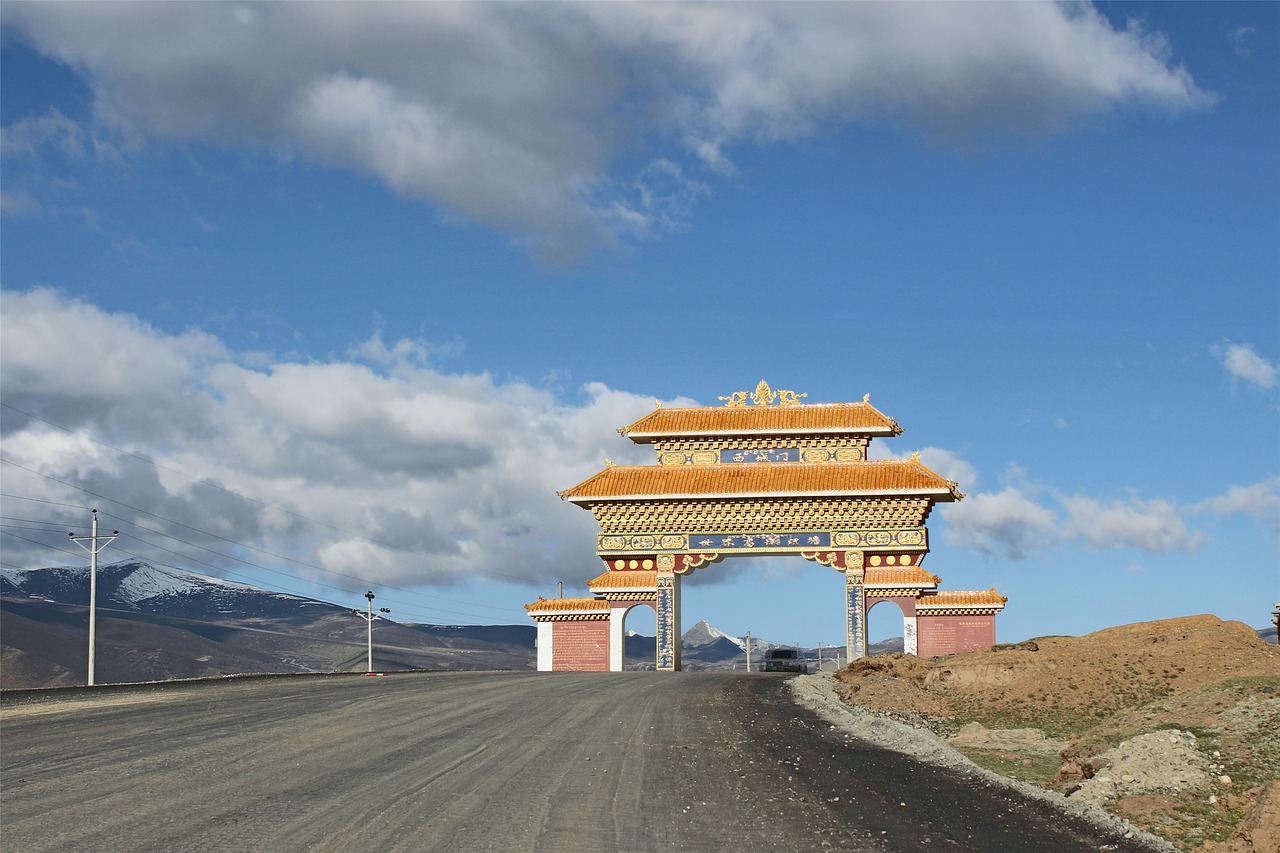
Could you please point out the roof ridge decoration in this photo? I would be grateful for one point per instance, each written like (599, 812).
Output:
(955, 487)
(763, 396)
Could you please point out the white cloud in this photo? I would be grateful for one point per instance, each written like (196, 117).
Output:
(527, 117)
(414, 476)
(1259, 500)
(19, 203)
(1154, 526)
(1242, 39)
(1009, 522)
(86, 364)
(1243, 363)
(1015, 523)
(1024, 518)
(29, 135)
(941, 461)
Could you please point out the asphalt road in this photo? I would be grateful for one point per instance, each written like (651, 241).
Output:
(483, 762)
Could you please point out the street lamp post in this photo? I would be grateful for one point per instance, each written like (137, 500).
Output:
(369, 616)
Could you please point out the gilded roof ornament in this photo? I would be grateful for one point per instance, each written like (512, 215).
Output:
(609, 463)
(657, 404)
(763, 396)
(866, 398)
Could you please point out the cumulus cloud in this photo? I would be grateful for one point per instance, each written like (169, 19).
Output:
(349, 472)
(1243, 364)
(565, 123)
(1024, 518)
(1009, 523)
(1154, 526)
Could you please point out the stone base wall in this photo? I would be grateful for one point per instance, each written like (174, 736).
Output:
(581, 646)
(948, 635)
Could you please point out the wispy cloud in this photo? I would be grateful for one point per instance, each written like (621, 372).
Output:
(1243, 363)
(29, 135)
(567, 124)
(1260, 500)
(1242, 39)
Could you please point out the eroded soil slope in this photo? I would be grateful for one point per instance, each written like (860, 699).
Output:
(1214, 683)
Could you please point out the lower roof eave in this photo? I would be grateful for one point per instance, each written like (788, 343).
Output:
(942, 495)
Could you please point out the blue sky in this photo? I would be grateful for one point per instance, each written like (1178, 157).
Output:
(388, 276)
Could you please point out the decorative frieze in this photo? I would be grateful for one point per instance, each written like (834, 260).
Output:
(728, 542)
(741, 516)
(571, 617)
(855, 615)
(838, 449)
(668, 623)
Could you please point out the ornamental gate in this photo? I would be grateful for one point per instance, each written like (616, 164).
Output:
(762, 475)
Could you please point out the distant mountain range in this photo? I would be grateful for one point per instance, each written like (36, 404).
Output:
(156, 624)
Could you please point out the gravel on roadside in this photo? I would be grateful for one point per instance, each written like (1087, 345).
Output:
(817, 693)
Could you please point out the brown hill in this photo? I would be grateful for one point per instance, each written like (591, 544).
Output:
(1198, 674)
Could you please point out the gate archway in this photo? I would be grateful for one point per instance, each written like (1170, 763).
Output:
(763, 475)
(886, 620)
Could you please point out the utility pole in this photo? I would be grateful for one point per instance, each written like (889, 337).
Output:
(748, 651)
(369, 616)
(93, 548)
(819, 656)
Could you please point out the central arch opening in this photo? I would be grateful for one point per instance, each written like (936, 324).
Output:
(781, 600)
(639, 637)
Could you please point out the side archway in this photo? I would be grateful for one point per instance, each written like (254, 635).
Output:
(887, 618)
(618, 613)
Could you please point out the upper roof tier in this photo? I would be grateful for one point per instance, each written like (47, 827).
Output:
(792, 420)
(763, 479)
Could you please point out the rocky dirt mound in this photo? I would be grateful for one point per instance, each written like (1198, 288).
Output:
(1170, 724)
(1165, 761)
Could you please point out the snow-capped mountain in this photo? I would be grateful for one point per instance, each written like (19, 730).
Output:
(157, 623)
(135, 585)
(704, 634)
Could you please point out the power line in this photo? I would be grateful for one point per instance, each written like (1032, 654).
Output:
(41, 500)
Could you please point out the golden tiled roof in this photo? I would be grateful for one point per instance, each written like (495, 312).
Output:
(909, 576)
(567, 605)
(762, 479)
(962, 598)
(637, 579)
(826, 418)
